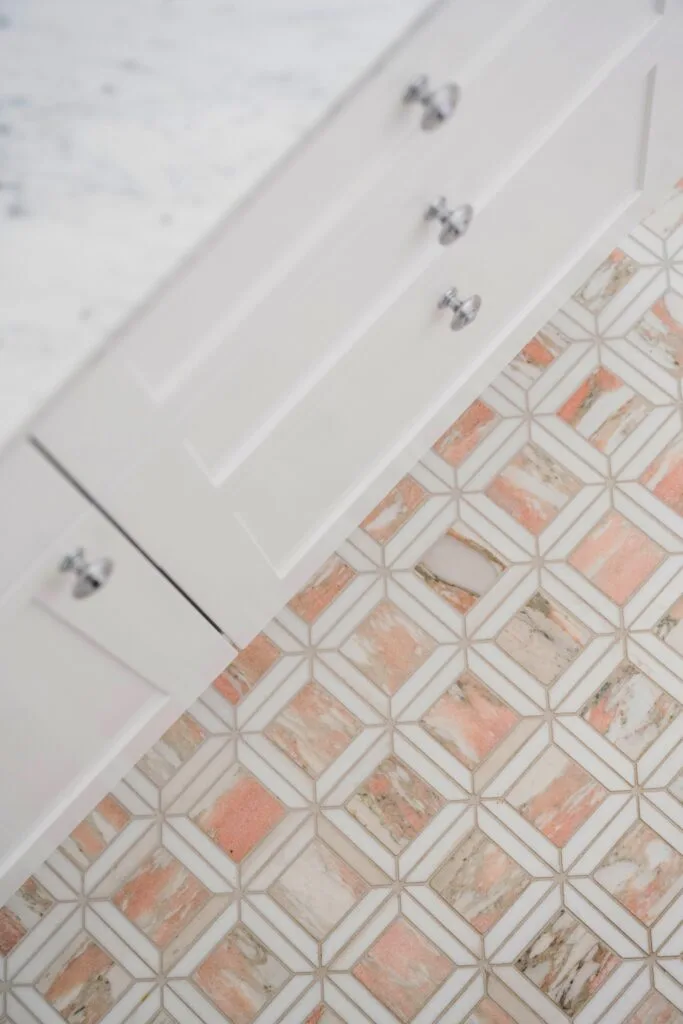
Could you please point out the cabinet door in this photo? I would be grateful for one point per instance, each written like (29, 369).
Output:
(239, 465)
(86, 685)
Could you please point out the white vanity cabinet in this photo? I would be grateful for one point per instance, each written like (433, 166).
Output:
(87, 684)
(283, 380)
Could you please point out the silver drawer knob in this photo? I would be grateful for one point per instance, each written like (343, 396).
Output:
(464, 310)
(90, 576)
(454, 223)
(438, 104)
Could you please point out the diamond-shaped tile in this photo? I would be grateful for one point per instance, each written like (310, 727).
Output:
(318, 889)
(468, 431)
(247, 669)
(643, 872)
(322, 589)
(630, 710)
(556, 795)
(323, 1015)
(567, 962)
(403, 969)
(161, 897)
(395, 804)
(655, 1009)
(84, 982)
(544, 638)
(175, 747)
(606, 282)
(659, 333)
(480, 881)
(388, 647)
(237, 813)
(241, 976)
(460, 568)
(394, 511)
(617, 557)
(95, 833)
(469, 720)
(533, 488)
(22, 912)
(536, 356)
(604, 410)
(670, 627)
(488, 1012)
(664, 476)
(314, 729)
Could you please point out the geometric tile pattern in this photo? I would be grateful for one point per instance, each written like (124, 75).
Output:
(445, 784)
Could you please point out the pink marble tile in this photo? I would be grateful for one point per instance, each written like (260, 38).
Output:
(95, 833)
(322, 589)
(248, 668)
(175, 747)
(630, 710)
(395, 804)
(488, 1012)
(604, 410)
(617, 557)
(480, 881)
(466, 434)
(607, 281)
(664, 476)
(567, 962)
(403, 969)
(395, 510)
(556, 795)
(314, 729)
(161, 897)
(241, 976)
(655, 1009)
(469, 720)
(536, 356)
(323, 1015)
(237, 813)
(318, 889)
(659, 333)
(22, 912)
(533, 488)
(388, 647)
(84, 983)
(643, 872)
(543, 638)
(460, 568)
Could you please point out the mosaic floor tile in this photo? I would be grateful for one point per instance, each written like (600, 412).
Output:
(388, 647)
(617, 557)
(643, 872)
(460, 569)
(533, 488)
(630, 710)
(468, 431)
(394, 511)
(314, 729)
(568, 963)
(480, 881)
(318, 889)
(604, 410)
(543, 638)
(394, 804)
(241, 976)
(323, 859)
(403, 969)
(556, 795)
(237, 813)
(469, 720)
(84, 983)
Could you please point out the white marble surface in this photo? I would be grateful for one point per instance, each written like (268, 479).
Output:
(127, 129)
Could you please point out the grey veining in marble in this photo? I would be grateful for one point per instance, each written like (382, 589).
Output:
(128, 128)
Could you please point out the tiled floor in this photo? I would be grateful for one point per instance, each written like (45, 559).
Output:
(446, 784)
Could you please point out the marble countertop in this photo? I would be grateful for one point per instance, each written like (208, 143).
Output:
(127, 130)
